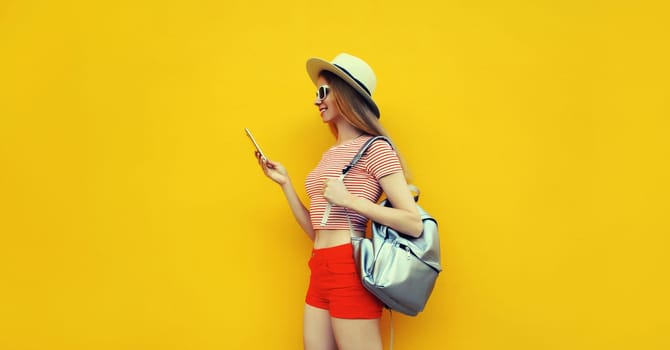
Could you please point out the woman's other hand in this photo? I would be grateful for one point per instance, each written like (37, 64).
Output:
(336, 193)
(274, 170)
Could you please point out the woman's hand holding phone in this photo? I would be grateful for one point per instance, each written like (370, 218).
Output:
(274, 170)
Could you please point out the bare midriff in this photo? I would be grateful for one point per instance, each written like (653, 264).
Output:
(333, 238)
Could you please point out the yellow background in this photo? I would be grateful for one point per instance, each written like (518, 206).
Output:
(133, 215)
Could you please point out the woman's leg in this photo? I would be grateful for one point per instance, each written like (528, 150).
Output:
(355, 334)
(317, 329)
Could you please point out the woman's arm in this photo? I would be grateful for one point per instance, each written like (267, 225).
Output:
(403, 217)
(277, 173)
(300, 213)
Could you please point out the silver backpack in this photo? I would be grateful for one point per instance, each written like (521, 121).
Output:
(398, 269)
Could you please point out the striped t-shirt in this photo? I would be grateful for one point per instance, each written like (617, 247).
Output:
(362, 180)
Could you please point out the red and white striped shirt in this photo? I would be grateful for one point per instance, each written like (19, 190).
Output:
(362, 180)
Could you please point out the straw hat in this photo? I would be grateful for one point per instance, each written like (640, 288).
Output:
(351, 69)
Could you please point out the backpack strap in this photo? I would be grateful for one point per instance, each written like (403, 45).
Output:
(345, 170)
(362, 151)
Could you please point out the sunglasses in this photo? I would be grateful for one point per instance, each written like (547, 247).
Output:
(322, 92)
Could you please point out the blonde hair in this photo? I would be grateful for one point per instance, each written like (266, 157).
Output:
(355, 110)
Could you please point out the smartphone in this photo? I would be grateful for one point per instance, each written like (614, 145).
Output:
(258, 148)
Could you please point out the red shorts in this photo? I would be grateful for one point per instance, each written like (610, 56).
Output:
(335, 285)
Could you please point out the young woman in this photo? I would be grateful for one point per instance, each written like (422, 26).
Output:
(339, 312)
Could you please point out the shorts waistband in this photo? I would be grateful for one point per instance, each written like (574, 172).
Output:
(341, 250)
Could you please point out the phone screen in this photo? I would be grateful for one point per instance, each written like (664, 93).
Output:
(258, 148)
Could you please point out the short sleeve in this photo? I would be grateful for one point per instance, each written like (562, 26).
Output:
(382, 160)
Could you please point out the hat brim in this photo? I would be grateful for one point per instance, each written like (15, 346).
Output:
(314, 67)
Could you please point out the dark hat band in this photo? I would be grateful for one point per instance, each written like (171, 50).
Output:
(352, 77)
